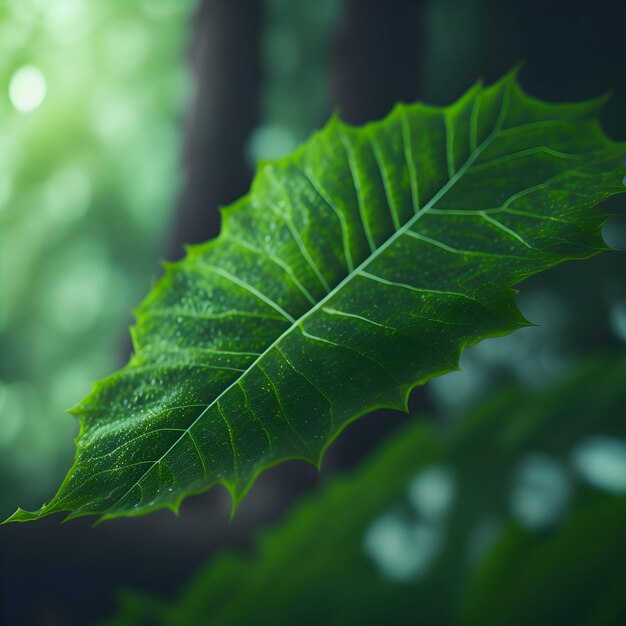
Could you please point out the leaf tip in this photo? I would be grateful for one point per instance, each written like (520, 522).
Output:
(603, 98)
(513, 74)
(21, 515)
(335, 116)
(317, 463)
(609, 248)
(517, 67)
(100, 520)
(234, 506)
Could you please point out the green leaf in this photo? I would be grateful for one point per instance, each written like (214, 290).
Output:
(488, 568)
(354, 270)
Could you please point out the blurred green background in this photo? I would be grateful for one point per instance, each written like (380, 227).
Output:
(93, 95)
(123, 126)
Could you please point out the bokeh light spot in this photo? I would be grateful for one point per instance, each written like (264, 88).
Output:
(431, 492)
(28, 88)
(618, 319)
(541, 492)
(614, 233)
(602, 462)
(67, 21)
(456, 391)
(270, 141)
(403, 550)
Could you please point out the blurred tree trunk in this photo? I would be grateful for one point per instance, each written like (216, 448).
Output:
(225, 59)
(377, 57)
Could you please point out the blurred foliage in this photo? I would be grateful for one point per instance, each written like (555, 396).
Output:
(89, 151)
(514, 515)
